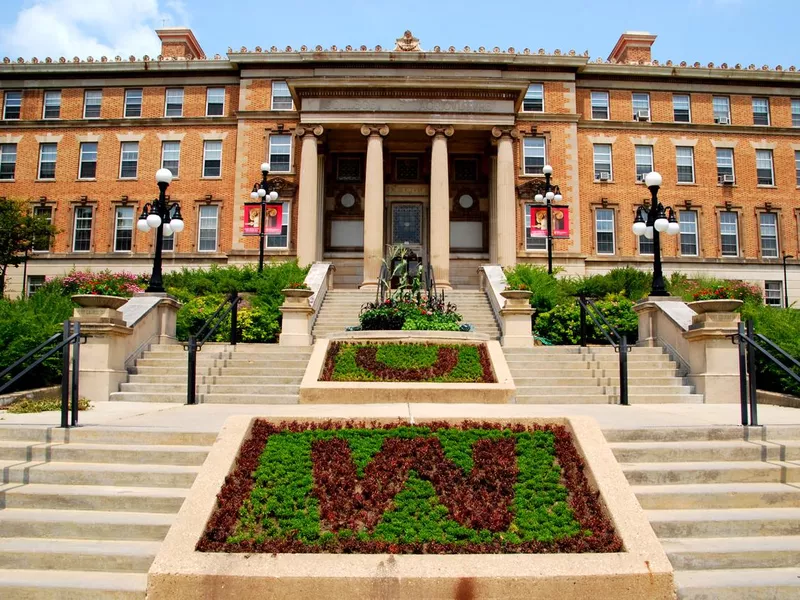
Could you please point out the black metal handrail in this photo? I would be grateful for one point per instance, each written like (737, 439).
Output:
(69, 336)
(617, 340)
(229, 306)
(748, 342)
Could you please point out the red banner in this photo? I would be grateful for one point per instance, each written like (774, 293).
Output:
(273, 220)
(538, 222)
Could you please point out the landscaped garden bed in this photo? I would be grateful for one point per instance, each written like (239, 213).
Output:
(470, 488)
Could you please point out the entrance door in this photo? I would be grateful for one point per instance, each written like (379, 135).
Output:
(407, 226)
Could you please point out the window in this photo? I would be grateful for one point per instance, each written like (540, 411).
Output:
(133, 103)
(212, 158)
(281, 240)
(88, 161)
(684, 156)
(764, 171)
(215, 102)
(681, 108)
(12, 105)
(722, 109)
(688, 222)
(281, 98)
(532, 242)
(406, 168)
(52, 104)
(8, 161)
(644, 161)
(534, 98)
(725, 164)
(602, 162)
(348, 168)
(174, 102)
(646, 246)
(795, 112)
(207, 232)
(465, 169)
(534, 155)
(604, 228)
(34, 283)
(82, 238)
(768, 223)
(280, 153)
(760, 111)
(47, 161)
(42, 244)
(168, 241)
(600, 105)
(129, 163)
(773, 293)
(171, 157)
(729, 232)
(123, 229)
(797, 166)
(92, 101)
(641, 102)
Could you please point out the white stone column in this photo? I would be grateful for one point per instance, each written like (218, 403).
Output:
(506, 220)
(493, 212)
(373, 204)
(440, 205)
(307, 220)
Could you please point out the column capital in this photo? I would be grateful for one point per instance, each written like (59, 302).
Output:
(500, 132)
(376, 130)
(304, 130)
(437, 130)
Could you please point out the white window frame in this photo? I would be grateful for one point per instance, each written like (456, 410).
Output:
(597, 231)
(49, 146)
(687, 158)
(122, 150)
(281, 98)
(206, 150)
(52, 98)
(169, 238)
(762, 155)
(17, 104)
(649, 244)
(171, 144)
(33, 284)
(735, 225)
(759, 99)
(717, 113)
(272, 162)
(597, 170)
(126, 104)
(79, 210)
(47, 211)
(732, 165)
(770, 236)
(176, 93)
(200, 229)
(773, 293)
(686, 230)
(688, 107)
(96, 94)
(795, 112)
(635, 99)
(534, 93)
(208, 101)
(118, 218)
(81, 153)
(797, 166)
(606, 103)
(8, 150)
(286, 212)
(636, 162)
(532, 147)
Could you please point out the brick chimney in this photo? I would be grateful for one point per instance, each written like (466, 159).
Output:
(179, 42)
(633, 47)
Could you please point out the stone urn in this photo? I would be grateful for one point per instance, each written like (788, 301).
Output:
(714, 313)
(715, 306)
(98, 301)
(517, 298)
(99, 310)
(297, 293)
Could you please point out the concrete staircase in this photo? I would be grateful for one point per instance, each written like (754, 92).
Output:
(725, 502)
(474, 307)
(575, 375)
(339, 310)
(241, 374)
(84, 511)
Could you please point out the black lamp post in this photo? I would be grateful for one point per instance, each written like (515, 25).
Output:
(261, 191)
(551, 193)
(785, 282)
(156, 215)
(651, 223)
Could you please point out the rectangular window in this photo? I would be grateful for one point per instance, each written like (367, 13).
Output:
(534, 98)
(688, 222)
(215, 102)
(641, 106)
(534, 155)
(600, 105)
(280, 153)
(133, 103)
(684, 157)
(681, 108)
(123, 229)
(348, 168)
(8, 161)
(725, 172)
(129, 162)
(52, 104)
(88, 161)
(406, 168)
(602, 162)
(281, 240)
(764, 172)
(644, 161)
(797, 166)
(92, 101)
(82, 238)
(174, 102)
(207, 232)
(281, 98)
(795, 112)
(12, 106)
(532, 242)
(168, 241)
(34, 283)
(760, 111)
(646, 246)
(212, 158)
(465, 170)
(42, 244)
(171, 157)
(769, 234)
(604, 229)
(722, 110)
(773, 293)
(729, 232)
(47, 161)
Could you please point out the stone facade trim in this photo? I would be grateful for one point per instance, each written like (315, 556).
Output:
(172, 137)
(214, 135)
(49, 138)
(602, 139)
(368, 130)
(684, 141)
(130, 137)
(10, 139)
(724, 143)
(439, 130)
(89, 137)
(315, 130)
(643, 140)
(764, 145)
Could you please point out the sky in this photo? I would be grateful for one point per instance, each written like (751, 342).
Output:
(733, 31)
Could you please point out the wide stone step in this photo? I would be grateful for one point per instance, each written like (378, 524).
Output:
(165, 397)
(583, 379)
(600, 360)
(710, 472)
(549, 368)
(32, 584)
(235, 361)
(68, 473)
(224, 379)
(77, 555)
(104, 453)
(84, 524)
(738, 584)
(93, 497)
(733, 552)
(106, 435)
(717, 495)
(599, 398)
(674, 434)
(588, 350)
(728, 522)
(643, 390)
(216, 388)
(633, 452)
(249, 399)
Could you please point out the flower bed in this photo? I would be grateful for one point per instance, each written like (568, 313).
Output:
(471, 488)
(441, 363)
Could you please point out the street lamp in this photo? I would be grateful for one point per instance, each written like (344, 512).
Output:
(260, 192)
(653, 222)
(785, 282)
(551, 193)
(156, 215)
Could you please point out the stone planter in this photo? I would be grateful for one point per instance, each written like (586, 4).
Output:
(98, 301)
(297, 293)
(516, 314)
(715, 306)
(516, 294)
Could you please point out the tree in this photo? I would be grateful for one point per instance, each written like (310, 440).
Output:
(18, 231)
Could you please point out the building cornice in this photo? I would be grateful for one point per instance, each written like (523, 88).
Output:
(51, 124)
(704, 74)
(100, 69)
(686, 128)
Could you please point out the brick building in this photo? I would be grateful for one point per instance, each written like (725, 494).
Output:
(441, 149)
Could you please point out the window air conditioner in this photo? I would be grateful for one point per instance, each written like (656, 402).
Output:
(727, 179)
(643, 115)
(639, 177)
(722, 120)
(605, 176)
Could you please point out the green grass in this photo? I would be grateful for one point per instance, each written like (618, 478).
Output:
(28, 405)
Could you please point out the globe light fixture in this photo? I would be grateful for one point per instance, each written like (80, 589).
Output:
(551, 194)
(261, 193)
(166, 219)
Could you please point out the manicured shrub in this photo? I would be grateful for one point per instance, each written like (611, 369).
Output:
(257, 321)
(712, 288)
(28, 405)
(435, 322)
(103, 283)
(546, 290)
(562, 324)
(418, 311)
(781, 326)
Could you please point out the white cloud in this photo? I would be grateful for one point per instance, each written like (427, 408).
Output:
(90, 28)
